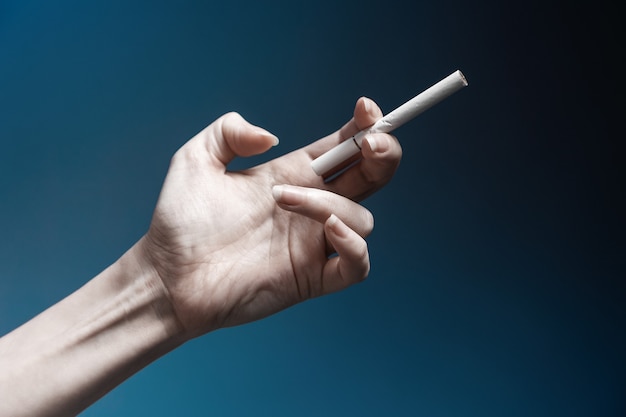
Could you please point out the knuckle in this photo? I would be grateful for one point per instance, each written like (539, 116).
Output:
(231, 116)
(228, 123)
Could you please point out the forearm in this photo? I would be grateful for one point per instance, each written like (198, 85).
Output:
(70, 355)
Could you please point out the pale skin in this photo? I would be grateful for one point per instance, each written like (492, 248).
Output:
(223, 248)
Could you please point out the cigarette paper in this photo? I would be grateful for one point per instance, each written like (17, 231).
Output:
(418, 104)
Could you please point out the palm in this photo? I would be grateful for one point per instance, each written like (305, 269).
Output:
(241, 237)
(224, 250)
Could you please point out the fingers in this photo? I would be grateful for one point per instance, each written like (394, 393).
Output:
(381, 154)
(229, 136)
(352, 264)
(366, 112)
(346, 237)
(319, 205)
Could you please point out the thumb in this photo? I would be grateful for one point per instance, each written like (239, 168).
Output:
(231, 135)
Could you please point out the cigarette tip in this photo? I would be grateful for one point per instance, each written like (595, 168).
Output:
(463, 79)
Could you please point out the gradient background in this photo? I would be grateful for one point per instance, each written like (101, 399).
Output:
(497, 284)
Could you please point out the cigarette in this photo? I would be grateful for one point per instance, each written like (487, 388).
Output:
(345, 150)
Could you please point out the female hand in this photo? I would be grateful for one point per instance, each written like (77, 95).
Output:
(232, 247)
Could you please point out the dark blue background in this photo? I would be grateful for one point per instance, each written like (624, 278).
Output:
(497, 283)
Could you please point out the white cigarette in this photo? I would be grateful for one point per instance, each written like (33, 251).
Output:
(423, 101)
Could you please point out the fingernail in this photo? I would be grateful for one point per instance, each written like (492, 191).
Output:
(337, 226)
(371, 141)
(276, 141)
(277, 192)
(366, 104)
(265, 133)
(288, 195)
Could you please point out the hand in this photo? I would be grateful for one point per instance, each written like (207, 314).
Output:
(232, 247)
(223, 248)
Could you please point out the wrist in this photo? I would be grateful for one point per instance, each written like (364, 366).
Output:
(137, 277)
(70, 355)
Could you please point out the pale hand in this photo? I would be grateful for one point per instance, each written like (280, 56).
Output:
(228, 254)
(223, 248)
